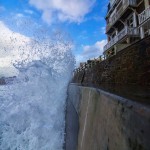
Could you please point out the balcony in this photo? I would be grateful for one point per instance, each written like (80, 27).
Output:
(127, 31)
(145, 15)
(111, 6)
(117, 14)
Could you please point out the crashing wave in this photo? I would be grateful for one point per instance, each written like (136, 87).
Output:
(32, 110)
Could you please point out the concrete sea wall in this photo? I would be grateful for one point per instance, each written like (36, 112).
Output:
(98, 120)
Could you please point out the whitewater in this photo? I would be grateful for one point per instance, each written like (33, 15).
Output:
(32, 106)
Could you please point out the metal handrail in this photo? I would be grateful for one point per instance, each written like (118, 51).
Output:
(144, 15)
(125, 31)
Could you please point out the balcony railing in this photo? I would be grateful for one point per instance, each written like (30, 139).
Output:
(144, 15)
(117, 14)
(126, 31)
(111, 6)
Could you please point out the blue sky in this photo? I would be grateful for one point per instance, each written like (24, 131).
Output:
(82, 19)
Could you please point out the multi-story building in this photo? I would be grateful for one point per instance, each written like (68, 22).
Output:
(127, 22)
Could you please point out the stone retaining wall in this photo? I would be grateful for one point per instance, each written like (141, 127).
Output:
(130, 66)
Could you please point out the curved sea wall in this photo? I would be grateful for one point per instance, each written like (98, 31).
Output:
(98, 120)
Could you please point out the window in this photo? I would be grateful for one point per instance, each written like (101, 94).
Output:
(113, 34)
(130, 21)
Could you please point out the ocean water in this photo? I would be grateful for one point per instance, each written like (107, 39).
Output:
(32, 106)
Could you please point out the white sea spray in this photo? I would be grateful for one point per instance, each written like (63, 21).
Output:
(32, 107)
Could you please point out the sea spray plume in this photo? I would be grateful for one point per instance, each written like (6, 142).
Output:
(32, 108)
(55, 51)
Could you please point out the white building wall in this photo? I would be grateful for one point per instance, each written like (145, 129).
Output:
(146, 3)
(111, 2)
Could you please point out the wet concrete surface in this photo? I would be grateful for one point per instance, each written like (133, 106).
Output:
(72, 127)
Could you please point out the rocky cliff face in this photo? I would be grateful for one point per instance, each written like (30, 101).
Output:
(109, 122)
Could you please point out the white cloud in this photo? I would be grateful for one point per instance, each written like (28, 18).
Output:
(10, 42)
(47, 16)
(19, 15)
(29, 11)
(63, 10)
(91, 51)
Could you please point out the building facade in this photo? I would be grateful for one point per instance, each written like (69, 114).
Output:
(127, 22)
